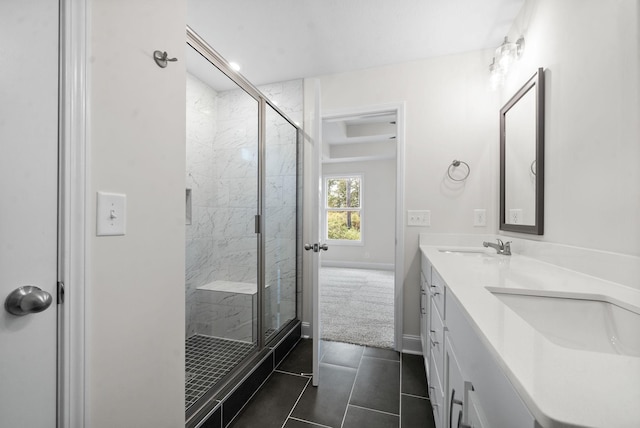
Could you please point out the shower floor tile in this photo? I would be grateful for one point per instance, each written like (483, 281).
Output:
(209, 359)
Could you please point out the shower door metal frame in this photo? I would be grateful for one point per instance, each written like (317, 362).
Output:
(204, 49)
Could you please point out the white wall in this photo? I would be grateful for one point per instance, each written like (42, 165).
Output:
(378, 214)
(450, 114)
(590, 50)
(135, 287)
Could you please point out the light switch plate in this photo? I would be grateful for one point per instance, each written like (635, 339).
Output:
(111, 214)
(418, 218)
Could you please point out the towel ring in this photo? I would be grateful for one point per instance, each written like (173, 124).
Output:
(455, 164)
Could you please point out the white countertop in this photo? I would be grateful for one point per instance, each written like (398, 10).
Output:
(560, 386)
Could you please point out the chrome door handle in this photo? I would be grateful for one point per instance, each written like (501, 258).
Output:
(27, 299)
(316, 247)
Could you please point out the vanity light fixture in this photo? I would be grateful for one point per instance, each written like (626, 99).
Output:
(506, 54)
(496, 75)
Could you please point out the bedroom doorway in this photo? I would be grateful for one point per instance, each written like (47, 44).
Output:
(360, 275)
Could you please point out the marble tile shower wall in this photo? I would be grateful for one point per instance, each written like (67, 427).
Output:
(201, 116)
(222, 135)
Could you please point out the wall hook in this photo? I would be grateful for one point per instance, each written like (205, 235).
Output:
(161, 58)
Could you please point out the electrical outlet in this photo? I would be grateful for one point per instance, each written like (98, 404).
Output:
(418, 218)
(515, 216)
(479, 217)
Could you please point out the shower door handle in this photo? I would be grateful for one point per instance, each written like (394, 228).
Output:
(316, 247)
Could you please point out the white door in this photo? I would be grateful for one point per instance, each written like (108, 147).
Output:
(28, 218)
(316, 245)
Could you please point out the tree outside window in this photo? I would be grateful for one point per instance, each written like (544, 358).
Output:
(343, 208)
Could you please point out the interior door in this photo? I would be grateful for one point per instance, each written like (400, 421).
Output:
(28, 218)
(316, 234)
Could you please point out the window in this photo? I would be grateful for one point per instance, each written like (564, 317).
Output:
(343, 208)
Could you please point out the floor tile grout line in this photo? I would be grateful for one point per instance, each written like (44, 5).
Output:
(374, 410)
(380, 358)
(352, 388)
(308, 422)
(416, 396)
(297, 401)
(304, 375)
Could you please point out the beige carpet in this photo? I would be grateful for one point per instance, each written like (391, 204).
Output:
(356, 306)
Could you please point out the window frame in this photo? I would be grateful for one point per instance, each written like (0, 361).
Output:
(327, 209)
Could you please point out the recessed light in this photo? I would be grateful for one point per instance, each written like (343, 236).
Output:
(234, 66)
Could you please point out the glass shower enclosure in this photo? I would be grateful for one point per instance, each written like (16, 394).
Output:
(241, 219)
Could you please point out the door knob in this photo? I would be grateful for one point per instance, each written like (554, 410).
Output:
(27, 299)
(316, 247)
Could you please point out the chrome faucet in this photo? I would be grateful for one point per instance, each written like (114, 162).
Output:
(500, 247)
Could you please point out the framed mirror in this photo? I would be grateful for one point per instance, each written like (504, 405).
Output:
(522, 159)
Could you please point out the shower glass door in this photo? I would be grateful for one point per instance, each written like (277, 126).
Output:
(280, 201)
(221, 241)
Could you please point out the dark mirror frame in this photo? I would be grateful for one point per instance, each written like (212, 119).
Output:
(535, 83)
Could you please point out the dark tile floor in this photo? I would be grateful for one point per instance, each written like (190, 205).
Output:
(359, 387)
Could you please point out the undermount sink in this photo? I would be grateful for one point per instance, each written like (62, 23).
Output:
(474, 252)
(578, 323)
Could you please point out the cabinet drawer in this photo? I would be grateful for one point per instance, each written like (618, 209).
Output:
(437, 288)
(424, 317)
(436, 338)
(436, 395)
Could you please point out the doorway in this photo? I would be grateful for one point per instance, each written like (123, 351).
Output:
(361, 170)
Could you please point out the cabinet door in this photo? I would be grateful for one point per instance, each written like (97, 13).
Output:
(436, 395)
(475, 416)
(436, 338)
(455, 387)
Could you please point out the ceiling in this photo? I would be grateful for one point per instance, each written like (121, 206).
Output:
(277, 40)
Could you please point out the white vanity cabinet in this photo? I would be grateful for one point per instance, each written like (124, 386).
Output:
(433, 339)
(467, 388)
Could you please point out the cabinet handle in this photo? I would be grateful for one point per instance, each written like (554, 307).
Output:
(433, 342)
(460, 424)
(454, 401)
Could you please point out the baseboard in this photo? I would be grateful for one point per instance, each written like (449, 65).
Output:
(357, 265)
(411, 344)
(306, 330)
